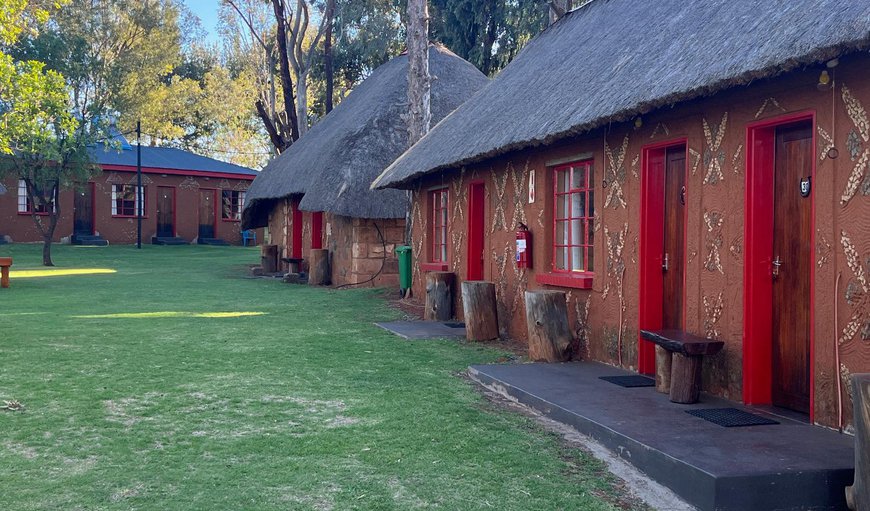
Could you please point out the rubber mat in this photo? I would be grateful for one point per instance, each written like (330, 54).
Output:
(731, 417)
(630, 381)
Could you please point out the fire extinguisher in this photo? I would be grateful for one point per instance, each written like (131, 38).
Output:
(524, 247)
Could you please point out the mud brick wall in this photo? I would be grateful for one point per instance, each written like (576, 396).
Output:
(606, 316)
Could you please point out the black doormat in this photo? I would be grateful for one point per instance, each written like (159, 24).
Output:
(634, 380)
(731, 417)
(454, 324)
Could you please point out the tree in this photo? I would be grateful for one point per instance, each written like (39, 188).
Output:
(419, 81)
(45, 146)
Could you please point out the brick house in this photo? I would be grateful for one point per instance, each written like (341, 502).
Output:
(317, 193)
(186, 197)
(693, 165)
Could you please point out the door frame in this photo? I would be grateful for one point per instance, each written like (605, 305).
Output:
(758, 256)
(92, 191)
(652, 223)
(472, 245)
(214, 207)
(296, 219)
(174, 211)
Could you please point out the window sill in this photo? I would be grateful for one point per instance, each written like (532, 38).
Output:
(577, 281)
(129, 216)
(230, 220)
(433, 266)
(28, 213)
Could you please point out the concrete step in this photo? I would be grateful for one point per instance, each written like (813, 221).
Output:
(212, 241)
(792, 465)
(162, 240)
(89, 240)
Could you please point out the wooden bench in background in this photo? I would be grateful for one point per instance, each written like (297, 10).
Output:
(5, 263)
(688, 351)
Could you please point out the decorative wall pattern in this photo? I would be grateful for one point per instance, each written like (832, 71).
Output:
(769, 104)
(714, 156)
(713, 308)
(713, 239)
(857, 291)
(499, 221)
(189, 183)
(736, 160)
(661, 129)
(860, 175)
(826, 143)
(614, 174)
(695, 160)
(857, 114)
(519, 179)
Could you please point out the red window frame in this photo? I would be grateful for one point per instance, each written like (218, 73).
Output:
(232, 203)
(439, 246)
(120, 203)
(584, 189)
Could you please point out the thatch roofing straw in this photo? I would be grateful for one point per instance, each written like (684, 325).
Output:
(614, 59)
(336, 161)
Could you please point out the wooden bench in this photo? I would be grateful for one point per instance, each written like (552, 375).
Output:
(688, 351)
(5, 263)
(294, 264)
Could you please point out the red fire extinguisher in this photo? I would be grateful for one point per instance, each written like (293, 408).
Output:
(524, 247)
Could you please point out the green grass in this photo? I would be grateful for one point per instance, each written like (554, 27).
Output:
(304, 406)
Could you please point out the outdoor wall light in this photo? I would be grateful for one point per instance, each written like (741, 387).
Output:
(824, 80)
(638, 122)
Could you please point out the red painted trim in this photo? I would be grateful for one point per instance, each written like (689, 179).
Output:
(476, 229)
(317, 230)
(221, 208)
(757, 284)
(177, 172)
(28, 213)
(433, 266)
(590, 187)
(296, 219)
(577, 280)
(435, 217)
(144, 202)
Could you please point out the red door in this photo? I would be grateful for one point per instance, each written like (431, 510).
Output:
(792, 258)
(476, 231)
(165, 212)
(662, 244)
(207, 213)
(673, 259)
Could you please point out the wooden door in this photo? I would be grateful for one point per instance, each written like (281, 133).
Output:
(165, 212)
(674, 241)
(207, 216)
(792, 256)
(476, 232)
(83, 218)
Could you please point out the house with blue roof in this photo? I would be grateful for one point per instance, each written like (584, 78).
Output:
(185, 198)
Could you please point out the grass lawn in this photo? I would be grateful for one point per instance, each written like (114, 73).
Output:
(170, 381)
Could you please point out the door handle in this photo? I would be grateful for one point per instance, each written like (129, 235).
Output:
(776, 264)
(665, 264)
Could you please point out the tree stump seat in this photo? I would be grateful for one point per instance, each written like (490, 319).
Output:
(5, 263)
(294, 264)
(688, 351)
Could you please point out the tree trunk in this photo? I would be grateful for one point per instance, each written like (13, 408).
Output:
(479, 307)
(547, 324)
(663, 370)
(318, 268)
(439, 296)
(685, 378)
(276, 138)
(858, 495)
(327, 54)
(302, 103)
(269, 258)
(284, 66)
(419, 82)
(558, 8)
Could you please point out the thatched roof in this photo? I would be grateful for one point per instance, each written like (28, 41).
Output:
(336, 161)
(614, 59)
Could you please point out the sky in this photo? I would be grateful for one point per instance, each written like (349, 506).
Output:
(207, 12)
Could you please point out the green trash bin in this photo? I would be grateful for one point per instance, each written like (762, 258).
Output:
(404, 254)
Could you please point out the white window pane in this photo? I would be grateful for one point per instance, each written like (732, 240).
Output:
(577, 259)
(562, 233)
(578, 205)
(578, 177)
(561, 258)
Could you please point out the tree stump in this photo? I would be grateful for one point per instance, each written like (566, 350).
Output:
(269, 258)
(439, 296)
(547, 324)
(858, 495)
(685, 378)
(479, 307)
(663, 370)
(318, 268)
